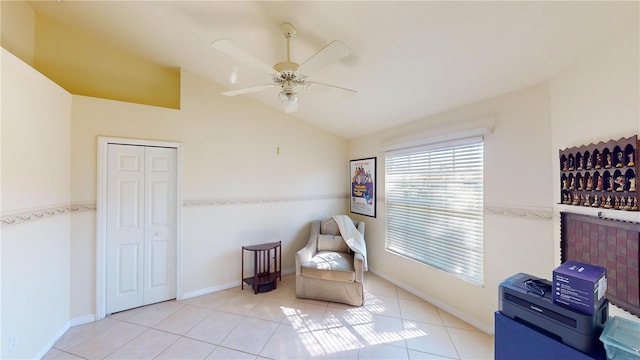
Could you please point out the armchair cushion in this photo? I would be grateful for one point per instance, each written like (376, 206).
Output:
(330, 265)
(332, 243)
(329, 226)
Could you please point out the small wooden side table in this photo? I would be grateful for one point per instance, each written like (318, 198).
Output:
(265, 276)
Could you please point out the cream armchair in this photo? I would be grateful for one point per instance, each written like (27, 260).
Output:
(326, 269)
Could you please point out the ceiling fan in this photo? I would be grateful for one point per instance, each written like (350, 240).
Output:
(286, 75)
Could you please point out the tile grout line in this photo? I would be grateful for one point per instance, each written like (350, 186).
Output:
(452, 342)
(231, 331)
(151, 327)
(121, 346)
(267, 342)
(69, 351)
(180, 337)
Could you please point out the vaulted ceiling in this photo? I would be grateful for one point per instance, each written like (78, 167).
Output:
(408, 60)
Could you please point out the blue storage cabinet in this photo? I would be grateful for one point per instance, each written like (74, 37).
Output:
(514, 340)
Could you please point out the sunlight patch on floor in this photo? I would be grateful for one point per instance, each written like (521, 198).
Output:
(348, 329)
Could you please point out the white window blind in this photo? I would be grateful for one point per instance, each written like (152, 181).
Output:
(434, 206)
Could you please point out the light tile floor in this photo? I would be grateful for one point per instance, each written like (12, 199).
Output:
(236, 324)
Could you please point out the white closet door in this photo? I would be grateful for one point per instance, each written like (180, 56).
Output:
(160, 221)
(125, 227)
(141, 226)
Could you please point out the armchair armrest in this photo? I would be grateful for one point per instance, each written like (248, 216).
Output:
(358, 265)
(306, 253)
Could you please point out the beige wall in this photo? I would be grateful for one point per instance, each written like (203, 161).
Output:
(238, 189)
(517, 176)
(598, 99)
(35, 286)
(230, 156)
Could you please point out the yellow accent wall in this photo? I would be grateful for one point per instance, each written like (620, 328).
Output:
(17, 29)
(85, 65)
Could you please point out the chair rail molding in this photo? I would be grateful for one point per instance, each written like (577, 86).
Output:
(44, 212)
(539, 213)
(257, 200)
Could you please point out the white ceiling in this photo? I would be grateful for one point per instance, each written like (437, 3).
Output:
(409, 60)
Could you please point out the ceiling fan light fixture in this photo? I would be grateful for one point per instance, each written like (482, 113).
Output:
(288, 98)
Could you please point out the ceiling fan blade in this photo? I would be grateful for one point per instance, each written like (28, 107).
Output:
(331, 53)
(291, 108)
(227, 47)
(248, 90)
(310, 84)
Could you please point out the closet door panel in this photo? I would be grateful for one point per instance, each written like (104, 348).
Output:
(160, 179)
(125, 227)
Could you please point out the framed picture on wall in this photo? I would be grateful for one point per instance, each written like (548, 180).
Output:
(363, 186)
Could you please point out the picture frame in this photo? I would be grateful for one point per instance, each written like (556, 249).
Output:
(362, 186)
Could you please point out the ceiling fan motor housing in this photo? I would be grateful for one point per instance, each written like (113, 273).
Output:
(289, 67)
(287, 75)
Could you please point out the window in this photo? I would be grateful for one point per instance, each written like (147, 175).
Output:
(434, 206)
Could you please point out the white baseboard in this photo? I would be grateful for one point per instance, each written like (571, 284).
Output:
(455, 312)
(209, 290)
(82, 320)
(56, 336)
(216, 288)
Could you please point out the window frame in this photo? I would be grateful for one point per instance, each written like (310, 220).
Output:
(443, 261)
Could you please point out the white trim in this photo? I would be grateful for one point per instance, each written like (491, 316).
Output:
(179, 207)
(54, 339)
(633, 216)
(434, 140)
(437, 303)
(101, 215)
(60, 333)
(227, 286)
(82, 320)
(210, 290)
